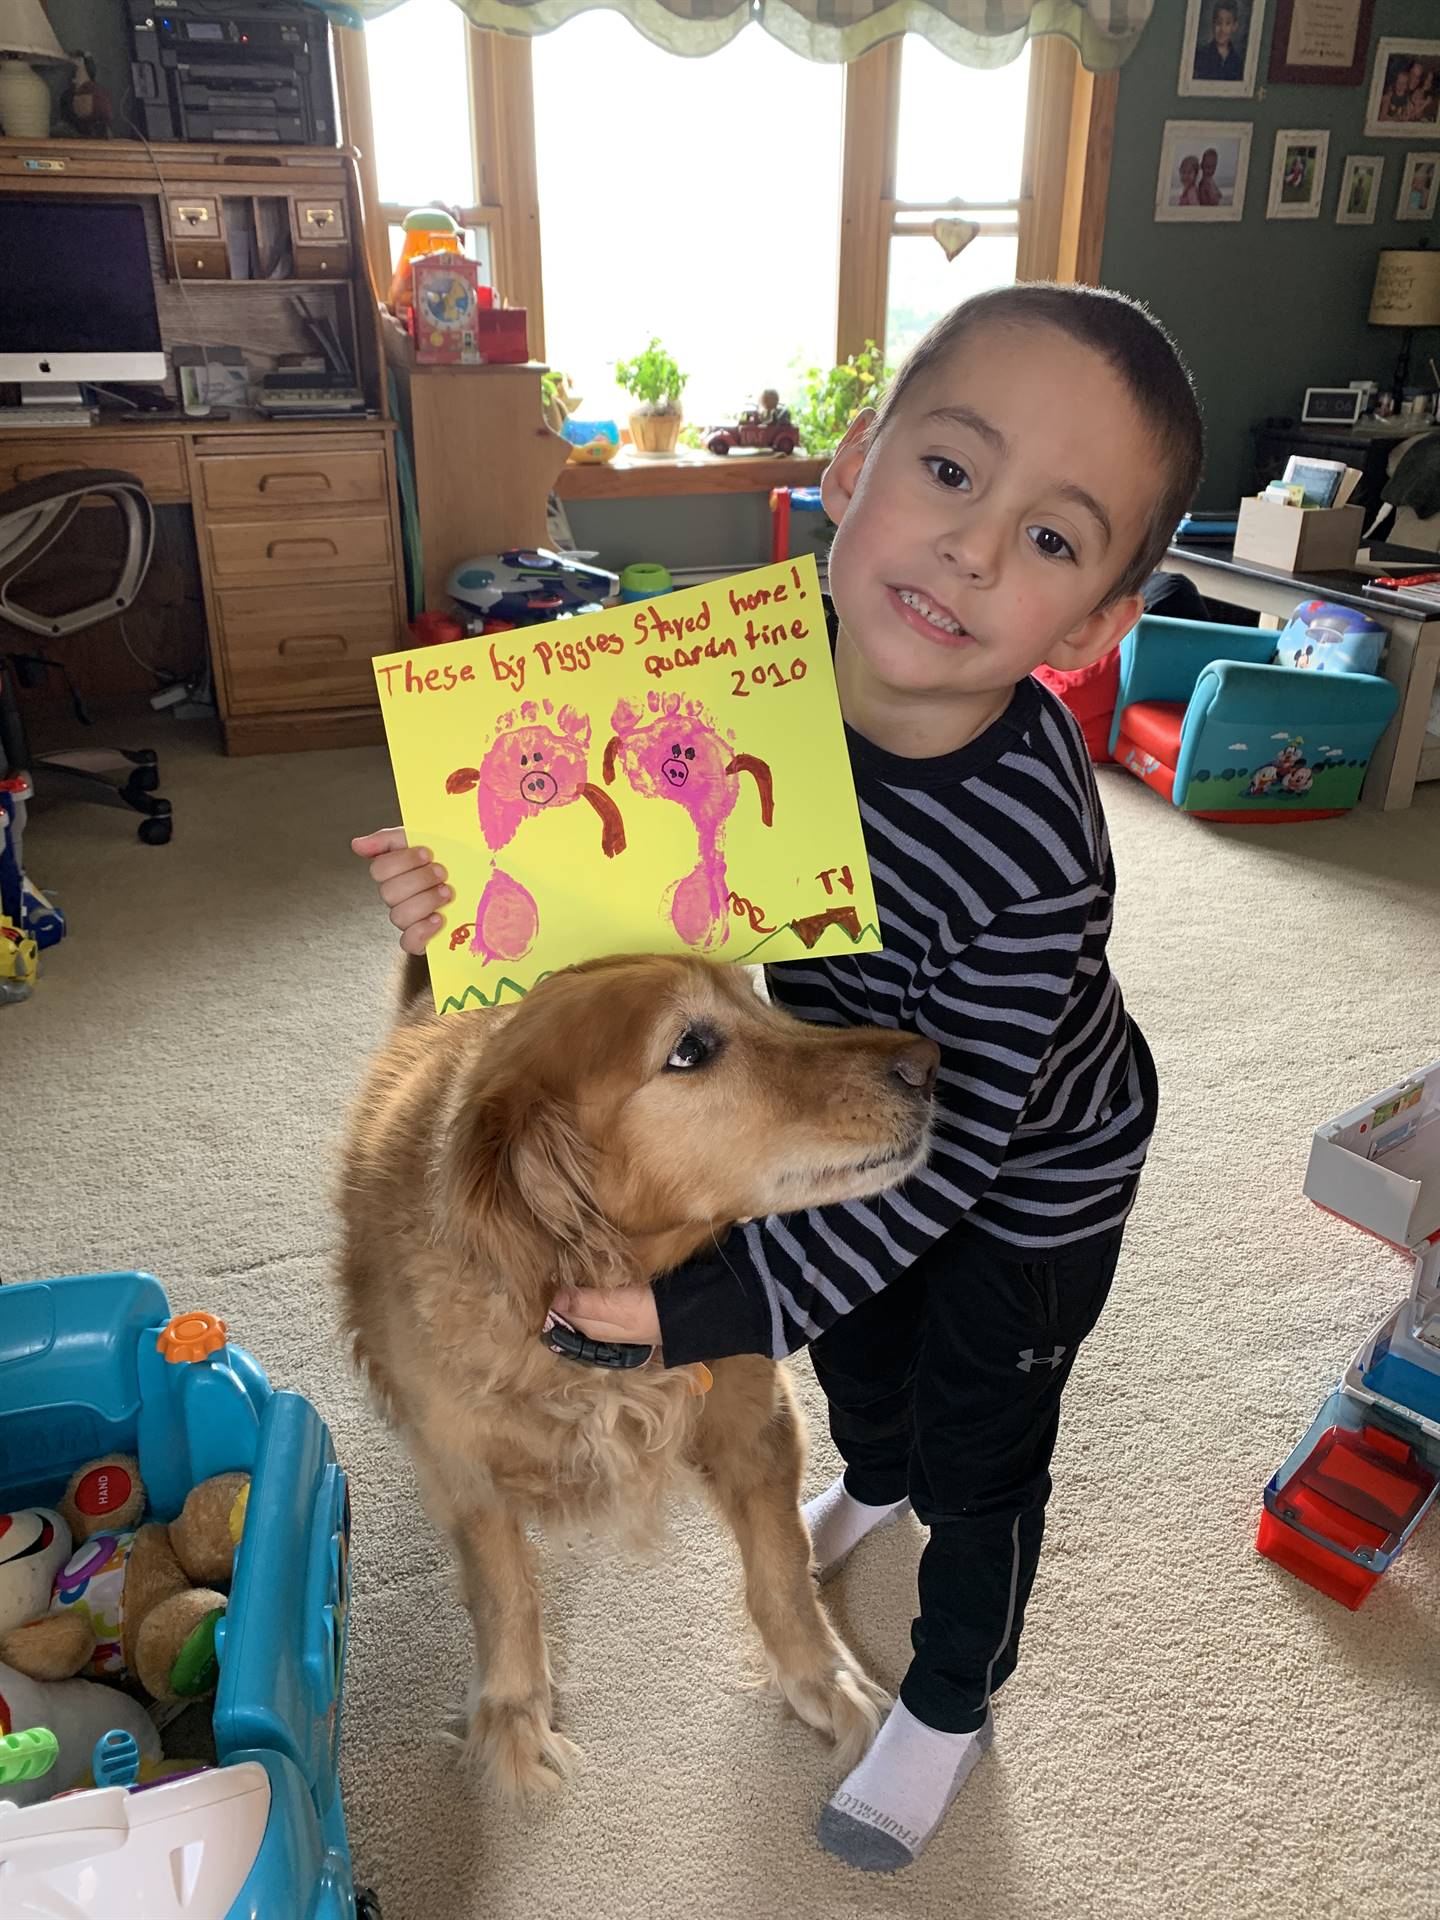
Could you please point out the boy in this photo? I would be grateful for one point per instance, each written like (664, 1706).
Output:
(1220, 59)
(1003, 509)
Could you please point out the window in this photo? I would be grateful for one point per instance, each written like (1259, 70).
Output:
(960, 137)
(700, 202)
(805, 231)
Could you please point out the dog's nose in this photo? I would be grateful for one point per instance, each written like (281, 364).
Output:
(919, 1063)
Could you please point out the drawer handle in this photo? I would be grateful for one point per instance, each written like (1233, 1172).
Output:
(277, 482)
(312, 646)
(278, 547)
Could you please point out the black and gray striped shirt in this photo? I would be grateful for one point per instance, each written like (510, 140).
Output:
(995, 887)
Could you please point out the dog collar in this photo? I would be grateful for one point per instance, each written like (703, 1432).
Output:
(560, 1337)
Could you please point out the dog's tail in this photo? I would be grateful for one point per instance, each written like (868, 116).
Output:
(413, 986)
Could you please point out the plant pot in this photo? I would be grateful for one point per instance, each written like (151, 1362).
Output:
(655, 433)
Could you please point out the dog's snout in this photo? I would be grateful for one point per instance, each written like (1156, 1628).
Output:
(918, 1064)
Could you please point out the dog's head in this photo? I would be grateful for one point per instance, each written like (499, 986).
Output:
(633, 1105)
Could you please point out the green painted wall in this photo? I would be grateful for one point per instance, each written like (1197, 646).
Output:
(1262, 308)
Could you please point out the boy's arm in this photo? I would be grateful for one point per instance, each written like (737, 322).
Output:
(778, 1283)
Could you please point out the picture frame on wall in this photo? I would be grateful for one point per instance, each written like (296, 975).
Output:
(1221, 48)
(1419, 186)
(1359, 190)
(1204, 165)
(1297, 174)
(1405, 91)
(1320, 43)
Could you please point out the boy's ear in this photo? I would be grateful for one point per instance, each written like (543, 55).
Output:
(1095, 636)
(837, 483)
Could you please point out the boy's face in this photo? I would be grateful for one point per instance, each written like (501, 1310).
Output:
(982, 531)
(1224, 27)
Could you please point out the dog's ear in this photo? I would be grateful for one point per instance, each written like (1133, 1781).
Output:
(517, 1189)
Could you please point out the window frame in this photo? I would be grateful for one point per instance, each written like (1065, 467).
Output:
(1059, 217)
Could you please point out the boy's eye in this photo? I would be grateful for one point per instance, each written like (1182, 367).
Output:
(1053, 545)
(947, 472)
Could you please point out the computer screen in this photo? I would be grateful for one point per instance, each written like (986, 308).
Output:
(79, 301)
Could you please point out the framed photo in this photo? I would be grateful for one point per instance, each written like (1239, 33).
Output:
(1321, 43)
(1297, 174)
(1203, 168)
(1405, 90)
(1332, 406)
(1419, 179)
(1221, 48)
(1359, 190)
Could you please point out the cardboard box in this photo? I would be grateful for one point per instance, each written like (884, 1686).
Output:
(1298, 539)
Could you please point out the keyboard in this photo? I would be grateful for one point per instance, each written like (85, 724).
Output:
(47, 416)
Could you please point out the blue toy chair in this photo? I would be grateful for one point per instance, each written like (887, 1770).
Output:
(1208, 718)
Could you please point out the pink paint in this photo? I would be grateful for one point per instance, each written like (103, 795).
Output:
(536, 762)
(676, 754)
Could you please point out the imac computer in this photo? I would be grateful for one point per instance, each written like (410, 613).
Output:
(78, 305)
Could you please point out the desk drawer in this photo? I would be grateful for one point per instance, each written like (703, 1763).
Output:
(157, 461)
(240, 483)
(289, 648)
(255, 552)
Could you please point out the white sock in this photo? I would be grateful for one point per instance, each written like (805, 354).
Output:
(894, 1800)
(837, 1522)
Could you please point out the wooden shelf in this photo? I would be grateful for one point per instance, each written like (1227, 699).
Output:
(629, 477)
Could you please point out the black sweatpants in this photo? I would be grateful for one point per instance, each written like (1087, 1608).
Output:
(947, 1387)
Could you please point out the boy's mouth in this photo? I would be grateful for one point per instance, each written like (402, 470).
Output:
(930, 617)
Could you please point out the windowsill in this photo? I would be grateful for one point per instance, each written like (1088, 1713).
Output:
(631, 476)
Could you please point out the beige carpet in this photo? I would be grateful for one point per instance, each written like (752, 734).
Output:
(1191, 1732)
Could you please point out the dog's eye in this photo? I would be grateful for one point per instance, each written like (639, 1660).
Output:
(690, 1050)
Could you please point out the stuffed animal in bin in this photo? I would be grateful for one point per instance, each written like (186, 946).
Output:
(77, 1712)
(88, 1589)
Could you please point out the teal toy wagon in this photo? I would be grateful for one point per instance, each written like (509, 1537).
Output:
(95, 1364)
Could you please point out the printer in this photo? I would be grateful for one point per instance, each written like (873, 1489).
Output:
(246, 74)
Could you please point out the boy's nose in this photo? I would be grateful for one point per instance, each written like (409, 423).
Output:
(972, 547)
(918, 1063)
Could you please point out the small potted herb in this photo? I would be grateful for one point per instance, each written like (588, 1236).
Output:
(655, 383)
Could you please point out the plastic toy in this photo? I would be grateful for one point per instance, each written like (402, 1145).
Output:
(524, 585)
(28, 921)
(444, 307)
(782, 501)
(123, 1602)
(768, 425)
(1352, 1493)
(94, 1364)
(428, 231)
(592, 442)
(77, 1712)
(1208, 717)
(645, 580)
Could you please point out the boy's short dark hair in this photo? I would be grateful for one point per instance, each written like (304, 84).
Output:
(1231, 7)
(1131, 341)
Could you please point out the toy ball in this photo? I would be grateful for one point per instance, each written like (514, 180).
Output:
(1321, 635)
(527, 584)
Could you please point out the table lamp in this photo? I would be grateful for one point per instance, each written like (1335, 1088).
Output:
(1407, 294)
(26, 36)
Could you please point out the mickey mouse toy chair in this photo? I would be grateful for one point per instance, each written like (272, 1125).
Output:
(1240, 724)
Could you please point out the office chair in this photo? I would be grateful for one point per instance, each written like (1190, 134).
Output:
(33, 517)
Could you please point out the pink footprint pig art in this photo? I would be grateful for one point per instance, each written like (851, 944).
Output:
(533, 765)
(677, 755)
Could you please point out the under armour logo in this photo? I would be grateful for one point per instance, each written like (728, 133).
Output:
(1030, 1359)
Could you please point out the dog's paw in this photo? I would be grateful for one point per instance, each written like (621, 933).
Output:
(517, 1750)
(843, 1703)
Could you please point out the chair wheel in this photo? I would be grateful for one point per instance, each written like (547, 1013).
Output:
(156, 832)
(367, 1907)
(144, 779)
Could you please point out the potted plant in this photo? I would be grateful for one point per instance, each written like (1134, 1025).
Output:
(831, 399)
(655, 383)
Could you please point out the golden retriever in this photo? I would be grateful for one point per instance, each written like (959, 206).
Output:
(608, 1126)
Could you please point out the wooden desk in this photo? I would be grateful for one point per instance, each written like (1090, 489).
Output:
(298, 539)
(296, 522)
(1408, 752)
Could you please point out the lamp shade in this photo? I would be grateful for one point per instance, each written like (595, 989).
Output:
(1407, 288)
(26, 34)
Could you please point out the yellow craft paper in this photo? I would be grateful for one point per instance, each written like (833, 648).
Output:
(737, 676)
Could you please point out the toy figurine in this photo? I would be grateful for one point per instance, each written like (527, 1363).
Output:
(766, 425)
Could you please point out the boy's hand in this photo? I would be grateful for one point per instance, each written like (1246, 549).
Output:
(410, 884)
(626, 1314)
